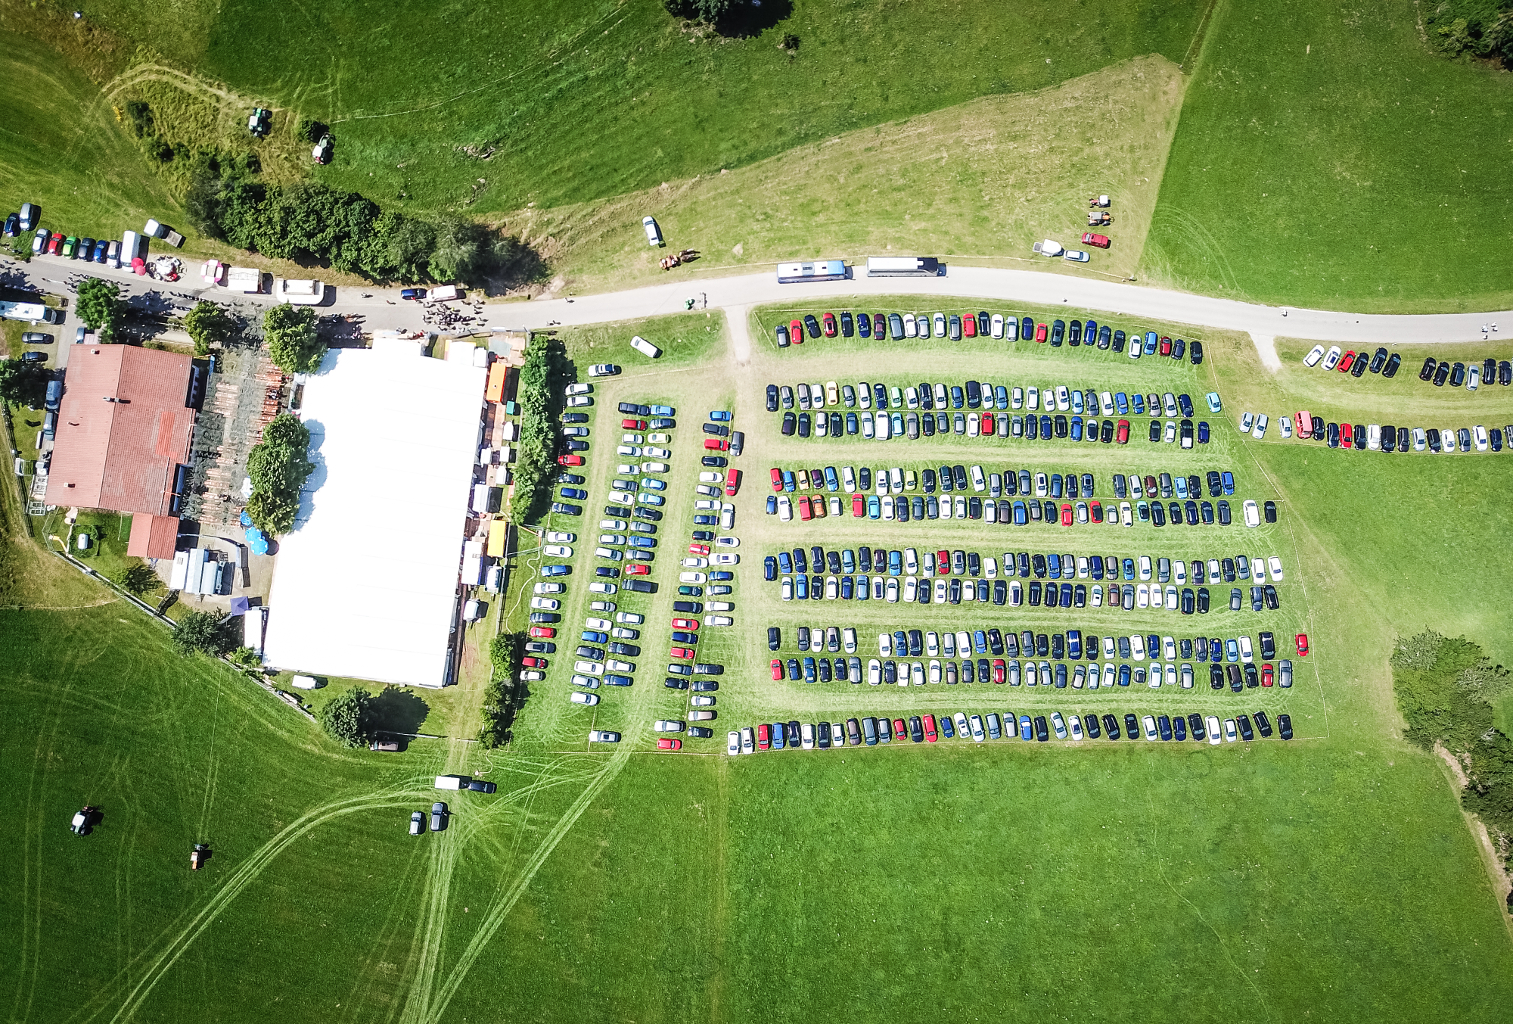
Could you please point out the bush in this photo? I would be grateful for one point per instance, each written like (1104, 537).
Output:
(345, 718)
(498, 699)
(137, 579)
(1476, 28)
(23, 383)
(289, 333)
(202, 632)
(278, 466)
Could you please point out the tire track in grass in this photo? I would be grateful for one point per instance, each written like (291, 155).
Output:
(129, 996)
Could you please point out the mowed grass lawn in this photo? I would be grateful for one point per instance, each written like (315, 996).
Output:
(1331, 877)
(1328, 157)
(587, 99)
(984, 178)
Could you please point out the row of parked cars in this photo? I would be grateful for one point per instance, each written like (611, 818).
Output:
(871, 731)
(1390, 438)
(975, 394)
(1016, 512)
(887, 671)
(1355, 363)
(894, 480)
(1023, 564)
(955, 326)
(1072, 644)
(1458, 374)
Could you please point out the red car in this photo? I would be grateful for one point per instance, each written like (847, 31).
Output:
(777, 479)
(1066, 515)
(685, 623)
(1040, 332)
(805, 512)
(999, 670)
(1121, 434)
(633, 424)
(732, 482)
(795, 335)
(716, 444)
(1305, 424)
(858, 506)
(930, 728)
(698, 549)
(638, 569)
(54, 242)
(942, 563)
(1266, 676)
(1345, 361)
(828, 321)
(666, 743)
(900, 730)
(989, 425)
(682, 652)
(1302, 641)
(1101, 241)
(1095, 509)
(1347, 435)
(969, 324)
(569, 460)
(1166, 346)
(777, 669)
(531, 662)
(543, 632)
(764, 736)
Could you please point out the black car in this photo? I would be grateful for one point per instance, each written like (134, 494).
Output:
(1379, 360)
(1111, 726)
(1131, 726)
(772, 398)
(1427, 372)
(1041, 732)
(789, 422)
(1393, 362)
(562, 508)
(715, 461)
(804, 424)
(640, 586)
(1203, 597)
(1358, 368)
(1271, 508)
(1263, 723)
(675, 684)
(1216, 677)
(1442, 374)
(1284, 726)
(1359, 437)
(1246, 732)
(1195, 352)
(1457, 375)
(811, 325)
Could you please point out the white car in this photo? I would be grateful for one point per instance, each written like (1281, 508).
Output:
(1447, 440)
(718, 620)
(1260, 431)
(1247, 654)
(727, 542)
(705, 505)
(550, 588)
(557, 537)
(732, 743)
(603, 736)
(1032, 399)
(558, 551)
(654, 467)
(1252, 513)
(1229, 730)
(1473, 378)
(1313, 357)
(874, 671)
(785, 508)
(696, 563)
(701, 700)
(579, 402)
(579, 697)
(1481, 437)
(997, 325)
(727, 513)
(1285, 425)
(787, 588)
(579, 389)
(976, 726)
(603, 588)
(628, 449)
(604, 524)
(940, 325)
(1149, 725)
(1145, 567)
(545, 604)
(592, 668)
(1076, 256)
(1246, 419)
(1333, 358)
(1213, 730)
(692, 577)
(667, 725)
(1276, 569)
(711, 478)
(724, 558)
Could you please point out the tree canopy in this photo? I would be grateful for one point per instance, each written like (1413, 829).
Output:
(278, 466)
(209, 325)
(345, 718)
(99, 305)
(23, 383)
(289, 333)
(202, 632)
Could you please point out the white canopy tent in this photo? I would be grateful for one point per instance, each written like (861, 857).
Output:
(366, 585)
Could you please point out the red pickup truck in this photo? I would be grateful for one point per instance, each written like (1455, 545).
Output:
(1101, 241)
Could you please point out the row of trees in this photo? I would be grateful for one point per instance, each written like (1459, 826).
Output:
(498, 699)
(536, 454)
(1447, 690)
(350, 233)
(278, 466)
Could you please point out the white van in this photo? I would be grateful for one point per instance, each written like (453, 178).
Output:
(653, 233)
(444, 292)
(645, 347)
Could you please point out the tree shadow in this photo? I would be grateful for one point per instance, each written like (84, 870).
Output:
(396, 710)
(752, 18)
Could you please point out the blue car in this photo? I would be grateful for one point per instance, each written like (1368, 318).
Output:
(1150, 343)
(832, 481)
(1137, 400)
(1121, 403)
(1202, 431)
(785, 562)
(719, 416)
(576, 493)
(594, 636)
(1021, 515)
(1026, 728)
(895, 563)
(946, 728)
(101, 248)
(848, 588)
(1229, 482)
(651, 483)
(801, 587)
(772, 504)
(663, 410)
(770, 568)
(874, 507)
(1214, 405)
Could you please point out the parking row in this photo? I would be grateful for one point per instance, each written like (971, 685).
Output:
(867, 730)
(983, 324)
(1017, 512)
(987, 426)
(975, 396)
(1390, 438)
(1026, 564)
(897, 480)
(1071, 645)
(1057, 675)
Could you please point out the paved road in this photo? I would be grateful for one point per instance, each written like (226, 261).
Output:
(381, 309)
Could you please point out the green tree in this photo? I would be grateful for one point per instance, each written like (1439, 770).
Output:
(22, 383)
(245, 657)
(202, 632)
(711, 11)
(137, 578)
(289, 332)
(208, 324)
(502, 652)
(273, 513)
(345, 718)
(99, 305)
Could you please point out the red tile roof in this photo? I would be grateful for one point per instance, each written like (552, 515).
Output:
(153, 536)
(121, 454)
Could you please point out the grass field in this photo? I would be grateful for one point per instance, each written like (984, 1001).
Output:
(985, 178)
(1332, 876)
(1327, 157)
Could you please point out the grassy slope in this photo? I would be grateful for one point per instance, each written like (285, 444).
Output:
(643, 101)
(62, 148)
(984, 178)
(1326, 157)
